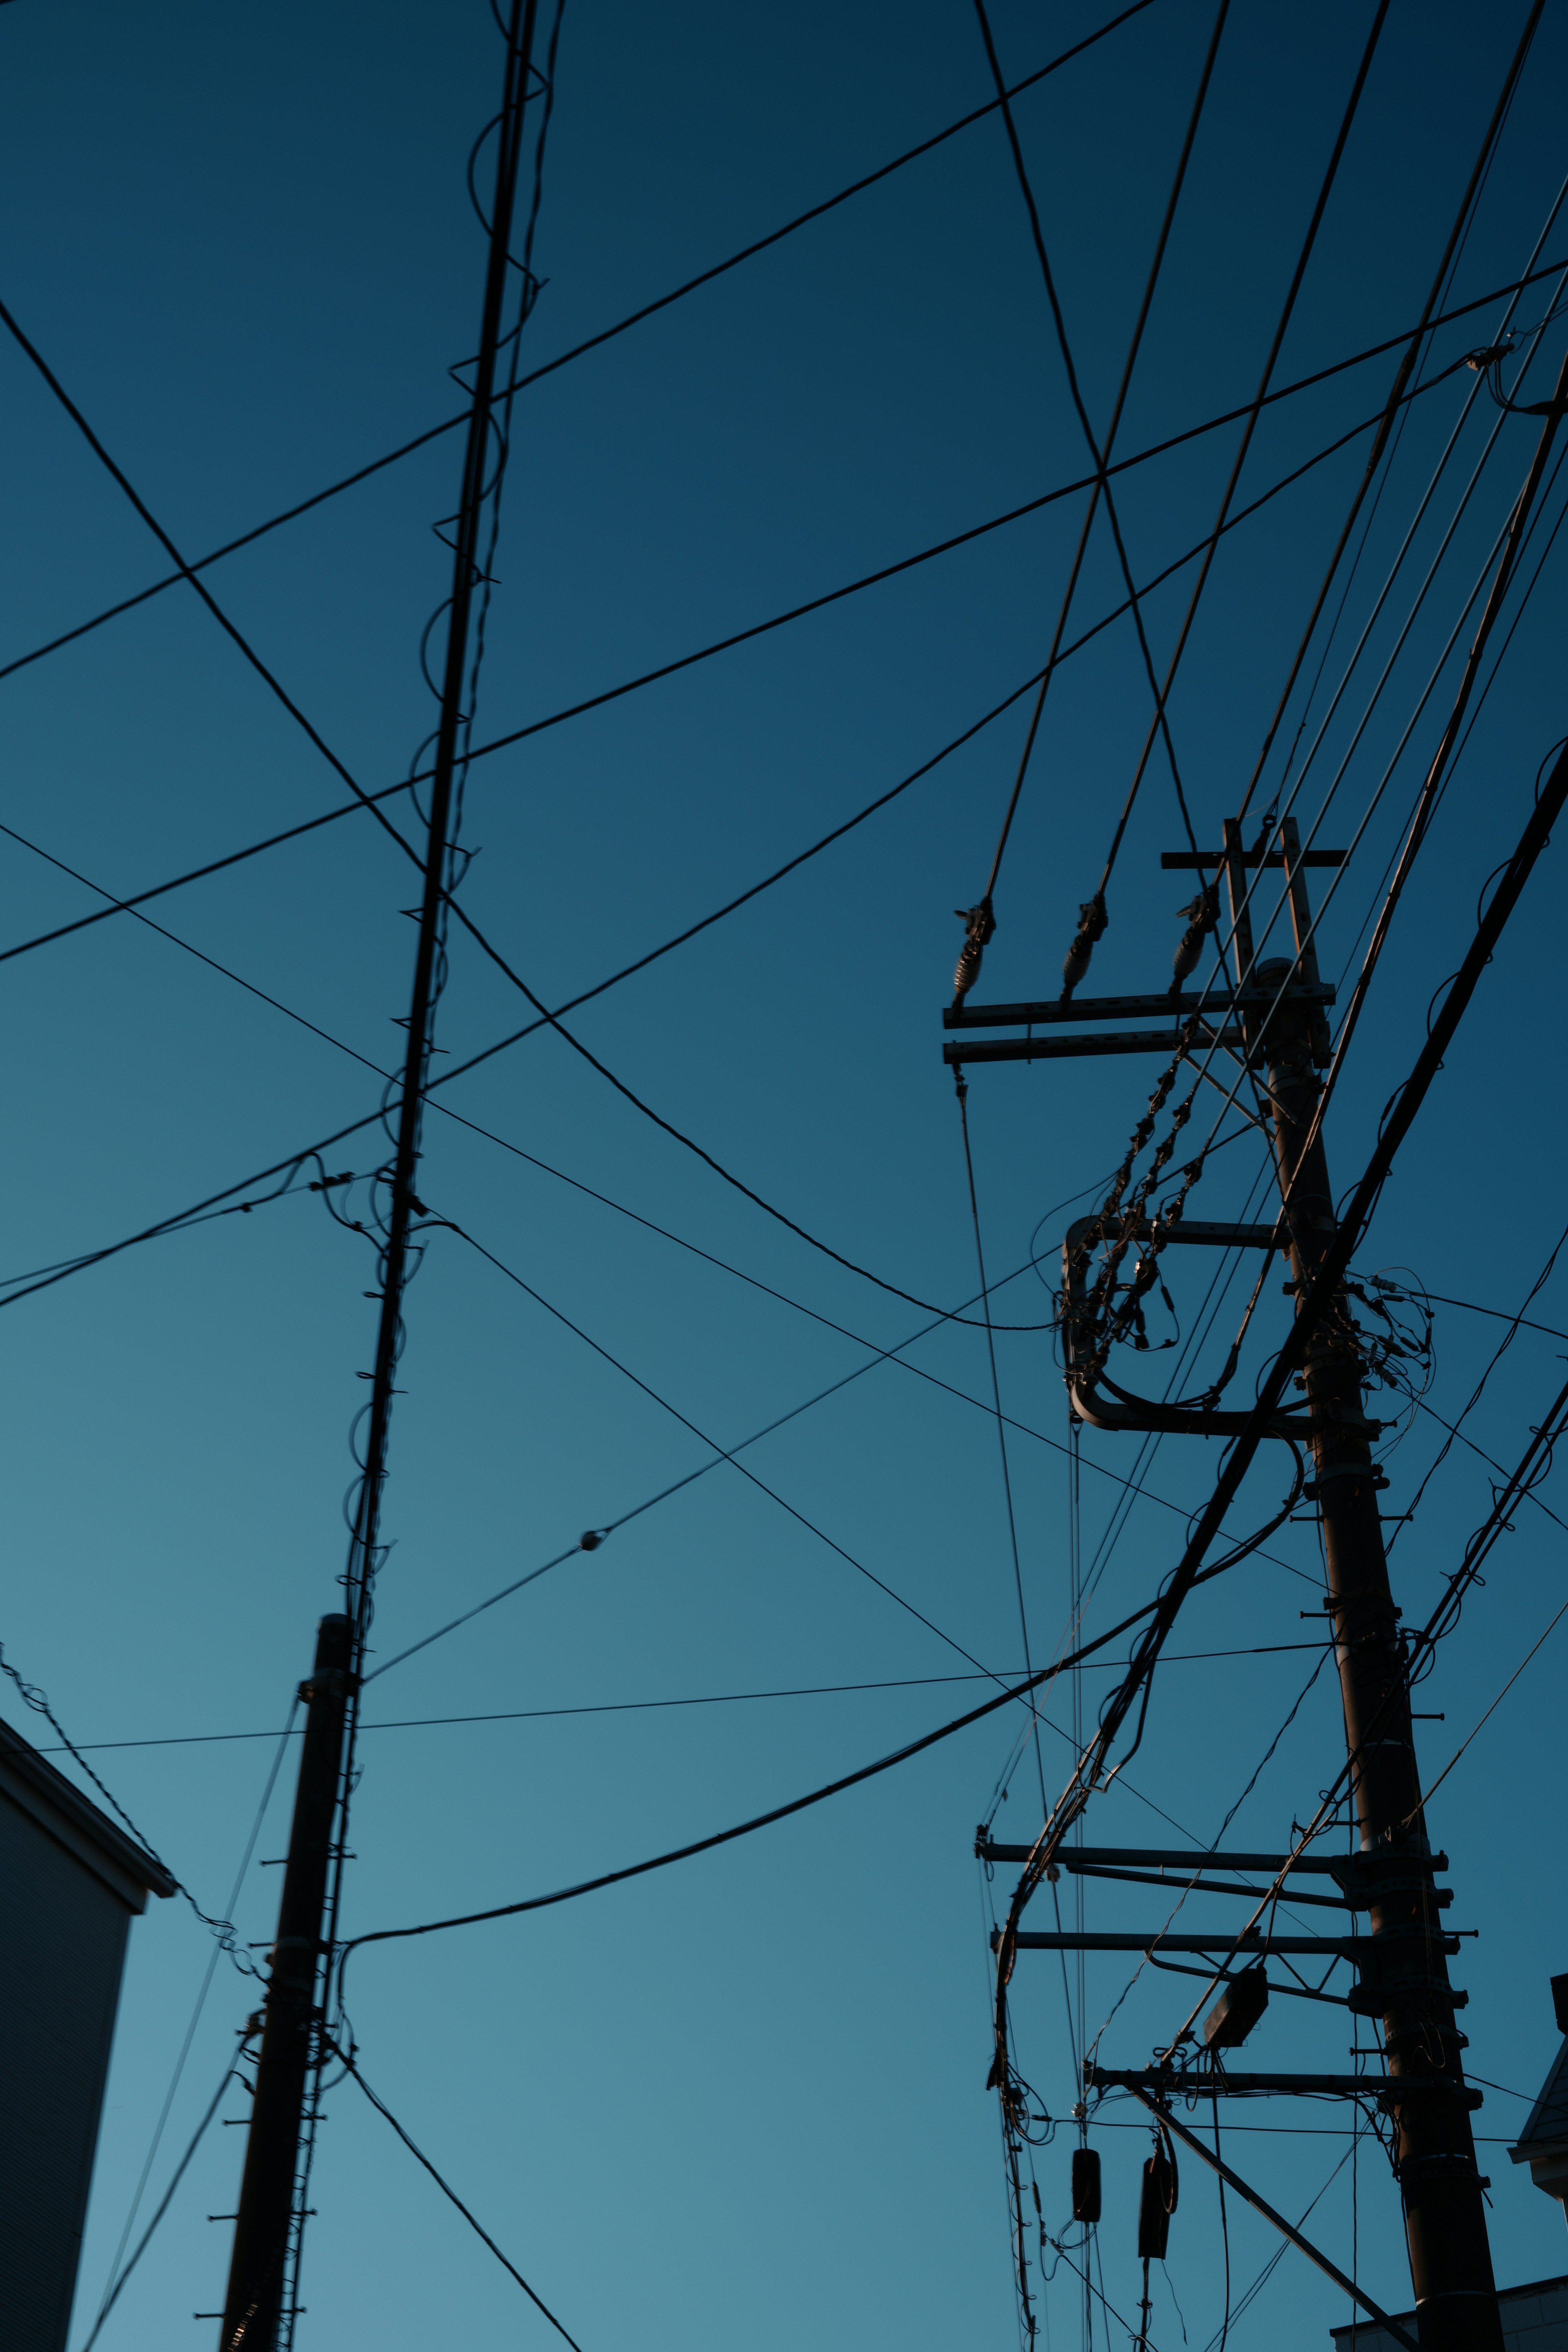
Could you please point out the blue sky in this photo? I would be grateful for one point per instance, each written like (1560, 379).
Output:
(745, 2097)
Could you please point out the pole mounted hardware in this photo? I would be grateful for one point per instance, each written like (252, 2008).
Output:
(1280, 1008)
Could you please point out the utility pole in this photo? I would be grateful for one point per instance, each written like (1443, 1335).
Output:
(1277, 1010)
(1403, 1974)
(258, 2308)
(253, 2308)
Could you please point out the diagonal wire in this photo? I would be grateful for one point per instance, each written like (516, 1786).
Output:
(1253, 414)
(1101, 453)
(348, 2059)
(1001, 1426)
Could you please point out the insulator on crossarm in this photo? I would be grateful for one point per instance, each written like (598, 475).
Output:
(1092, 920)
(980, 928)
(1202, 915)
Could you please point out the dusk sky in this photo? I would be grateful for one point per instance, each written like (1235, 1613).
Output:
(742, 2101)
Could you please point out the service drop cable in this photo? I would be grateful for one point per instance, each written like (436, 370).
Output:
(1252, 415)
(1014, 1693)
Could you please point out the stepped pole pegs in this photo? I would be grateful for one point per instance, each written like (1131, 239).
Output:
(1156, 2203)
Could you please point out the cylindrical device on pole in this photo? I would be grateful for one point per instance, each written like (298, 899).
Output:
(1086, 2185)
(253, 2308)
(1403, 1971)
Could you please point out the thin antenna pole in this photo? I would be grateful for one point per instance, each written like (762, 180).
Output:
(262, 2296)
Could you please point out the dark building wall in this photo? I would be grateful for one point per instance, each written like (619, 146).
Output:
(70, 1883)
(62, 1946)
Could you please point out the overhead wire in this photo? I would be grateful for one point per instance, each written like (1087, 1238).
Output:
(1538, 1644)
(556, 718)
(573, 710)
(1089, 1774)
(1244, 447)
(773, 1494)
(230, 2072)
(117, 2278)
(578, 350)
(649, 1706)
(230, 628)
(350, 2060)
(1511, 540)
(1462, 219)
(980, 920)
(37, 1699)
(1007, 1697)
(1504, 1344)
(997, 1400)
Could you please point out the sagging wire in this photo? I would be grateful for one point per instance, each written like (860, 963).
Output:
(230, 2074)
(397, 1215)
(1504, 1344)
(32, 1696)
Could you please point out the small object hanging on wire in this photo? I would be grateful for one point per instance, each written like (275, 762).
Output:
(1086, 2186)
(979, 929)
(1202, 916)
(1092, 920)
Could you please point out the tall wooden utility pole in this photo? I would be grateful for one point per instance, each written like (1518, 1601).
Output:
(253, 2308)
(1403, 1974)
(258, 2312)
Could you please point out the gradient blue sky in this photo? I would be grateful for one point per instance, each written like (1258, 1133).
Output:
(744, 2100)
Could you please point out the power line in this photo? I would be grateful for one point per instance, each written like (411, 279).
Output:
(1101, 454)
(231, 630)
(364, 800)
(229, 2074)
(1402, 377)
(116, 2276)
(1020, 1691)
(653, 1706)
(350, 2060)
(663, 1403)
(1396, 1126)
(604, 335)
(1259, 402)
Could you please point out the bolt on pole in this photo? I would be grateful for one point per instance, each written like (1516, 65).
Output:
(253, 2308)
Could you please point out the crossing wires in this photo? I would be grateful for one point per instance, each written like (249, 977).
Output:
(980, 920)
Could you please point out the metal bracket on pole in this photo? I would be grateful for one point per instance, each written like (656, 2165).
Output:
(1122, 1408)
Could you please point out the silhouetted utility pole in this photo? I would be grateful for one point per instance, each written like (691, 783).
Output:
(253, 2308)
(257, 2311)
(1403, 1976)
